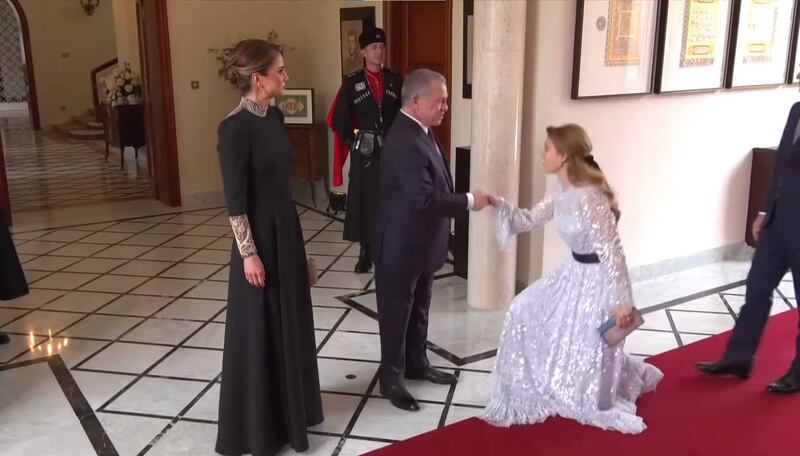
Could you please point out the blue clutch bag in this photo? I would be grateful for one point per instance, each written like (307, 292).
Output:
(613, 334)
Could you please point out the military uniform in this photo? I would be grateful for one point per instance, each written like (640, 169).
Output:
(367, 102)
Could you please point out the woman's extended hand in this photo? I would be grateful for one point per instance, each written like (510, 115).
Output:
(624, 317)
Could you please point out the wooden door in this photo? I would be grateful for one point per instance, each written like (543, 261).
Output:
(419, 35)
(159, 103)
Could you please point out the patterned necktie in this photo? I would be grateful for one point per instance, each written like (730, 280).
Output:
(432, 137)
(442, 163)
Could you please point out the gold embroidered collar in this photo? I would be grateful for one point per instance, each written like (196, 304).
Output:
(253, 107)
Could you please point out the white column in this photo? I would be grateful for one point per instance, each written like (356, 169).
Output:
(498, 69)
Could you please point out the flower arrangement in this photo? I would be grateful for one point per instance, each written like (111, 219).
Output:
(123, 86)
(219, 53)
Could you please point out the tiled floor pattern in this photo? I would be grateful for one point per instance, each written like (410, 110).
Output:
(46, 171)
(142, 305)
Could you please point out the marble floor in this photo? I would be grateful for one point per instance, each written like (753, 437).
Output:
(118, 347)
(47, 171)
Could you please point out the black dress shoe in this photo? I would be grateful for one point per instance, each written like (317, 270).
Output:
(4, 339)
(432, 375)
(399, 396)
(789, 383)
(363, 266)
(725, 367)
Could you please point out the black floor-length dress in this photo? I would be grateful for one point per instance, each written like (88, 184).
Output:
(270, 389)
(12, 279)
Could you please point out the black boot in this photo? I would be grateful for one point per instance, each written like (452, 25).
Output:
(364, 264)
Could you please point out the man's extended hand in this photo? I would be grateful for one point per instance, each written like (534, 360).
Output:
(757, 224)
(481, 200)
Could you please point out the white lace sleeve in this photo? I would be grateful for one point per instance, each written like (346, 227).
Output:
(608, 247)
(512, 220)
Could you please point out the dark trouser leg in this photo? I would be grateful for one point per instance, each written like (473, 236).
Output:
(417, 332)
(768, 268)
(395, 294)
(796, 277)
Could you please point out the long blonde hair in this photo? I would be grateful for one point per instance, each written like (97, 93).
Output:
(573, 142)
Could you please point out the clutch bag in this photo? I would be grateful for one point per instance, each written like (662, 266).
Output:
(613, 334)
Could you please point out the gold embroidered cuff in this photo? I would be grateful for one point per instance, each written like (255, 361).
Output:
(243, 235)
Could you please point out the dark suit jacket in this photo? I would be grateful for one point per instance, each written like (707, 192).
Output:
(786, 177)
(416, 202)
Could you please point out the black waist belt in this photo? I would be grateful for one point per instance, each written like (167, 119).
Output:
(586, 258)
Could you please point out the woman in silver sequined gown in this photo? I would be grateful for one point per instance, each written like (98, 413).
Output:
(551, 359)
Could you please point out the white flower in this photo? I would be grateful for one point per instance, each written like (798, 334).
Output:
(129, 88)
(131, 99)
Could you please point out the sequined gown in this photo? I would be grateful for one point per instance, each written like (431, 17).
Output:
(551, 359)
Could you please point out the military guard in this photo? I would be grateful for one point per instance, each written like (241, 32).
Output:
(360, 117)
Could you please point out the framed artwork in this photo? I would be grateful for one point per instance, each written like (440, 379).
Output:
(297, 106)
(692, 45)
(760, 44)
(614, 47)
(353, 21)
(793, 68)
(469, 8)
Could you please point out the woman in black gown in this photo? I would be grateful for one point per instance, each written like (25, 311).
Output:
(270, 388)
(12, 279)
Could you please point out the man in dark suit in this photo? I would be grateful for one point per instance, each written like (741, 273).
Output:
(412, 227)
(777, 231)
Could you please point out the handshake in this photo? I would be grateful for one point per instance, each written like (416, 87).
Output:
(482, 199)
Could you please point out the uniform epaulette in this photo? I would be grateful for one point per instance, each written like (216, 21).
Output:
(353, 74)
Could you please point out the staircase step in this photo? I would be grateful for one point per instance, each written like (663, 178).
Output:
(76, 131)
(86, 133)
(88, 122)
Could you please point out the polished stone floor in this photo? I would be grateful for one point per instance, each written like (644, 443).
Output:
(48, 171)
(124, 329)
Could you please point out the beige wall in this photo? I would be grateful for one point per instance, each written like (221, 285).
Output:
(127, 33)
(679, 162)
(460, 107)
(59, 28)
(310, 27)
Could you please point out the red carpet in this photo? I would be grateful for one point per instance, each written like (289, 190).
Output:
(689, 414)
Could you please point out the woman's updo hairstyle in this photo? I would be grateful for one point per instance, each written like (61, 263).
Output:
(246, 58)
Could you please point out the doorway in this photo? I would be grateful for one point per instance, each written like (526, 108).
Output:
(158, 119)
(420, 36)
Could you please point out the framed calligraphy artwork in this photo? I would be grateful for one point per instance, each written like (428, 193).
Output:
(794, 55)
(760, 49)
(691, 50)
(614, 46)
